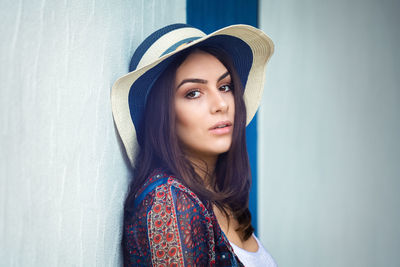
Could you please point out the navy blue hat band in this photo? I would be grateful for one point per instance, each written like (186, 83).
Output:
(150, 40)
(178, 44)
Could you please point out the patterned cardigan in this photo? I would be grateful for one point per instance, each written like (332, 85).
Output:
(170, 226)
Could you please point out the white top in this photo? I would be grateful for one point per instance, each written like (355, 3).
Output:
(260, 258)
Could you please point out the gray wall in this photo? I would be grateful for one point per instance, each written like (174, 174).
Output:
(62, 177)
(329, 133)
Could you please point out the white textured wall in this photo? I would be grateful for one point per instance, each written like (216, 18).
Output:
(329, 133)
(62, 176)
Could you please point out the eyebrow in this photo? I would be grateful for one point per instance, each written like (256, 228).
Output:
(201, 80)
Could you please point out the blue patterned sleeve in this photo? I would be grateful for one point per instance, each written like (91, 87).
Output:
(170, 227)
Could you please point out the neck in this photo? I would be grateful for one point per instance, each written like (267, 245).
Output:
(204, 166)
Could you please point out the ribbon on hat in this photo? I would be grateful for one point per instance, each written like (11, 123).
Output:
(179, 45)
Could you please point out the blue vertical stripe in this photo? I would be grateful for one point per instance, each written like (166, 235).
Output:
(211, 15)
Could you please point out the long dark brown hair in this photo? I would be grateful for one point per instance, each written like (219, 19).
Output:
(160, 148)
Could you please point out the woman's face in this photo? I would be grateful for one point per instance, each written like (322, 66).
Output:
(204, 105)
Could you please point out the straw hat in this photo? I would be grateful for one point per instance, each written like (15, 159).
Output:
(249, 48)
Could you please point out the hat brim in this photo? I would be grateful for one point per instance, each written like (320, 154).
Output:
(261, 47)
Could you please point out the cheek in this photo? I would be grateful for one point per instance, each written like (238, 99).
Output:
(229, 98)
(182, 118)
(181, 127)
(190, 122)
(185, 121)
(232, 104)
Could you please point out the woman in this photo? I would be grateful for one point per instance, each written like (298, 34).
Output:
(184, 104)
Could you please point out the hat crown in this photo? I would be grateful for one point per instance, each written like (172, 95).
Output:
(162, 42)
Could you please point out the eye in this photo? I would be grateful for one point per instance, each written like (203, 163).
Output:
(193, 94)
(226, 88)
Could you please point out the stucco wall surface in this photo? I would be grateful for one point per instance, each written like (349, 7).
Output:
(62, 176)
(329, 127)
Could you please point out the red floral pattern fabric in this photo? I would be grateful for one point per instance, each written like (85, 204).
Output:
(170, 226)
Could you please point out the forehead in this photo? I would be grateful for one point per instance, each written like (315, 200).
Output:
(200, 64)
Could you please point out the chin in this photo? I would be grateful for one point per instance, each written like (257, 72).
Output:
(217, 150)
(210, 149)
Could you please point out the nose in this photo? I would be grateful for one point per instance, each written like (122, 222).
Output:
(217, 102)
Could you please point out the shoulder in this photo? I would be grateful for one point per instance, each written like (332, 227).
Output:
(168, 221)
(164, 195)
(161, 186)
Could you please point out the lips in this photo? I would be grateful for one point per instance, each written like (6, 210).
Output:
(221, 124)
(222, 127)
